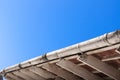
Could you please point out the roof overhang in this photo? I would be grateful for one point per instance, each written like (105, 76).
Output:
(95, 59)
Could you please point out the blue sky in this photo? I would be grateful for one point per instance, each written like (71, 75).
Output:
(30, 28)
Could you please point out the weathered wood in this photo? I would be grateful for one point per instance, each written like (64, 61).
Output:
(101, 66)
(60, 72)
(75, 69)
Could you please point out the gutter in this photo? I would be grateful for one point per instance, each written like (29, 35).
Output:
(99, 44)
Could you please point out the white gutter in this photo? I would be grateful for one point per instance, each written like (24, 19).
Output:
(99, 44)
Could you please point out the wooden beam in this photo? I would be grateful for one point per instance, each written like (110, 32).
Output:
(42, 72)
(14, 76)
(101, 66)
(60, 72)
(9, 78)
(95, 72)
(24, 76)
(75, 69)
(31, 74)
(115, 57)
(59, 78)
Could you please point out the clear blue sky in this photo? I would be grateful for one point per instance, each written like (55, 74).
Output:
(30, 28)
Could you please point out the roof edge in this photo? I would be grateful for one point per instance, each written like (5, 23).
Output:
(106, 40)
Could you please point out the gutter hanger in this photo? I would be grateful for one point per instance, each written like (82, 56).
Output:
(99, 44)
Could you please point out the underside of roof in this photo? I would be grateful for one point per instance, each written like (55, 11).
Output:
(95, 59)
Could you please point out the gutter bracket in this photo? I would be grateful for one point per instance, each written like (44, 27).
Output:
(19, 65)
(82, 56)
(44, 57)
(106, 40)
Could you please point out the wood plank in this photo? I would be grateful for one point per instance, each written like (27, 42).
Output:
(75, 69)
(60, 72)
(42, 72)
(14, 76)
(31, 74)
(101, 66)
(24, 76)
